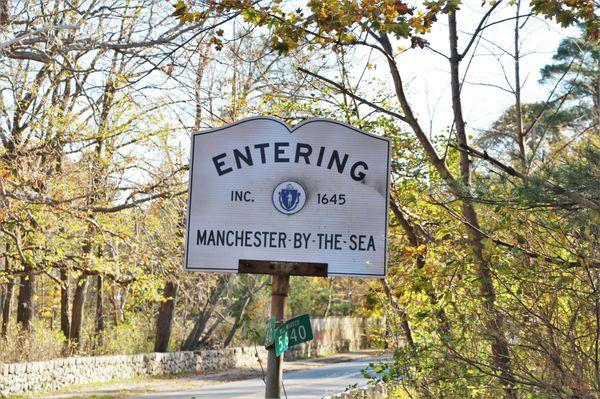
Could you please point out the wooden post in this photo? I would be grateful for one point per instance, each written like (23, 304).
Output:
(280, 284)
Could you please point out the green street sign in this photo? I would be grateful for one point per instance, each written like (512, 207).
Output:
(282, 341)
(270, 333)
(293, 332)
(298, 329)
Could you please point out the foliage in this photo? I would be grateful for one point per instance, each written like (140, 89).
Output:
(576, 72)
(568, 12)
(42, 343)
(489, 270)
(493, 256)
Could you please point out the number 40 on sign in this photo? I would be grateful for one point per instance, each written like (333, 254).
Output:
(289, 334)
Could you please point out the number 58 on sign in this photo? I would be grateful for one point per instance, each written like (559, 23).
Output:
(293, 332)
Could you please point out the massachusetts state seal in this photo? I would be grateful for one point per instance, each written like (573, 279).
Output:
(289, 197)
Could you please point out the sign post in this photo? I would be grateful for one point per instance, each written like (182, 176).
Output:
(268, 199)
(280, 284)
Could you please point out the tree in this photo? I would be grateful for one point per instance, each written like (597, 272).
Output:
(576, 71)
(380, 26)
(53, 110)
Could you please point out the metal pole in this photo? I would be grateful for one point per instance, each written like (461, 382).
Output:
(280, 284)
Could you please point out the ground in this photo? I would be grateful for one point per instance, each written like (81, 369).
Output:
(165, 385)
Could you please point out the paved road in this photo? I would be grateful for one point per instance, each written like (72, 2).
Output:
(311, 383)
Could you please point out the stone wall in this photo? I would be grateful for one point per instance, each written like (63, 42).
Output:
(230, 358)
(376, 391)
(332, 335)
(59, 373)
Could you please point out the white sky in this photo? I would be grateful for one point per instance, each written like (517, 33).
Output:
(426, 74)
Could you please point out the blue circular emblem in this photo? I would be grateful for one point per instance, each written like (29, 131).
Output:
(289, 197)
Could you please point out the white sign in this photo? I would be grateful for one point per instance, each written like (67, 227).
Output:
(317, 193)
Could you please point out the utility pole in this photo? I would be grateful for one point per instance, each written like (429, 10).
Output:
(280, 284)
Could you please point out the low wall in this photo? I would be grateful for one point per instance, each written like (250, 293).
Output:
(59, 373)
(376, 391)
(331, 335)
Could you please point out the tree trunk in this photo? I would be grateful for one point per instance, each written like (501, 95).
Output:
(208, 334)
(401, 313)
(7, 306)
(236, 323)
(99, 310)
(415, 240)
(4, 15)
(8, 295)
(518, 107)
(65, 327)
(164, 321)
(198, 88)
(494, 323)
(460, 188)
(78, 309)
(26, 293)
(194, 337)
(115, 300)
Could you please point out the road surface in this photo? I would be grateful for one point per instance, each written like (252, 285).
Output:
(311, 383)
(306, 378)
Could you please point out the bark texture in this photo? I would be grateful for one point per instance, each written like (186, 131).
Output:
(99, 309)
(494, 323)
(26, 292)
(164, 321)
(78, 308)
(65, 325)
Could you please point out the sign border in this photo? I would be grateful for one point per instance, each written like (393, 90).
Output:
(290, 130)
